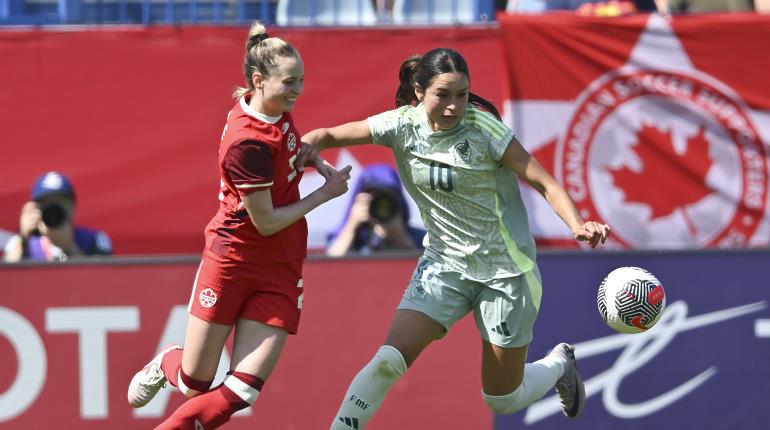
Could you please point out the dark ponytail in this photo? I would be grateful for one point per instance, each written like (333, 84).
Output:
(405, 93)
(419, 71)
(484, 104)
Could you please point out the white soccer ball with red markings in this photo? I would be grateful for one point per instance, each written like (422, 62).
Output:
(631, 299)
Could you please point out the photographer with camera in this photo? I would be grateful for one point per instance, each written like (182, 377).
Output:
(46, 229)
(377, 218)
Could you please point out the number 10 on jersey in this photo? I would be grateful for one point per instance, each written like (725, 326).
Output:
(441, 176)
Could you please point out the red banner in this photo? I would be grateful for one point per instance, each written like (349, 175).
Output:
(134, 116)
(67, 360)
(658, 128)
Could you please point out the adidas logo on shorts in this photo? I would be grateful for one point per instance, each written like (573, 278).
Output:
(502, 328)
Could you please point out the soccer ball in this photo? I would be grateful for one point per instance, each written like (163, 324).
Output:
(631, 300)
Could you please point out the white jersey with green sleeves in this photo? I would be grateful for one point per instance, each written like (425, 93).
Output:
(469, 202)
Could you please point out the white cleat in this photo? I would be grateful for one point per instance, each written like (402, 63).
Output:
(148, 381)
(570, 388)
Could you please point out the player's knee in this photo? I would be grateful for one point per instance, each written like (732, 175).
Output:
(505, 404)
(191, 387)
(390, 363)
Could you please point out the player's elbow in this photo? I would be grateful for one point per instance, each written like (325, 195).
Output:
(266, 222)
(265, 229)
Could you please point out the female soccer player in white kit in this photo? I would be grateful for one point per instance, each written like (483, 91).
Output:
(459, 163)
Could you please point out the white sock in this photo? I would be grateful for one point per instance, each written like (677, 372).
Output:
(368, 389)
(539, 378)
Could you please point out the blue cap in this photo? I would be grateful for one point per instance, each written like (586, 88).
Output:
(52, 183)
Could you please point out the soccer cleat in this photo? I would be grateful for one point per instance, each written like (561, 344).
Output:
(148, 381)
(569, 387)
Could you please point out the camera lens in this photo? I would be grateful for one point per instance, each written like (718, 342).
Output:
(383, 207)
(54, 215)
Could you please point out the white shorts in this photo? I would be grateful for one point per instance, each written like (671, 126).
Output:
(504, 309)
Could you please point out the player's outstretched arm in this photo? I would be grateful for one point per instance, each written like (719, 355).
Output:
(349, 134)
(270, 220)
(528, 168)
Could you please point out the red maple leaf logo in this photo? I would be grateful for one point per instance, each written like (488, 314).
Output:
(667, 180)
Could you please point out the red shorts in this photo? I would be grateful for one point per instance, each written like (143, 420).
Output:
(268, 293)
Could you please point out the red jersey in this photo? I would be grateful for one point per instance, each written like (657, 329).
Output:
(256, 153)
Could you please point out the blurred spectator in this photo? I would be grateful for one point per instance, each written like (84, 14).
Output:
(377, 217)
(665, 7)
(384, 10)
(603, 8)
(46, 226)
(699, 6)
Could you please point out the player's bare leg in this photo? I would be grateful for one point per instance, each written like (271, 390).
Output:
(410, 332)
(502, 369)
(257, 348)
(203, 345)
(510, 384)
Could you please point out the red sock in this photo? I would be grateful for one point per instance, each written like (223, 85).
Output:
(214, 408)
(170, 365)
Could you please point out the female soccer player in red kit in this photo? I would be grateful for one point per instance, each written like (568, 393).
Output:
(250, 275)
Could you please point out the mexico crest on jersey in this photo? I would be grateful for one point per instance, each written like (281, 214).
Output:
(463, 151)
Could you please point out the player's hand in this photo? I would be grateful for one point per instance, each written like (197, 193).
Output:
(307, 155)
(31, 217)
(592, 232)
(337, 182)
(323, 167)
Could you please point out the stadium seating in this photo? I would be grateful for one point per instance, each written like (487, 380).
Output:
(280, 12)
(325, 12)
(46, 12)
(525, 6)
(421, 12)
